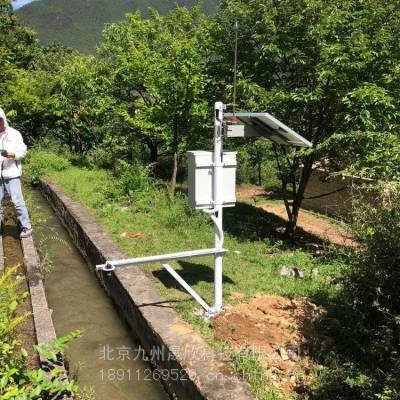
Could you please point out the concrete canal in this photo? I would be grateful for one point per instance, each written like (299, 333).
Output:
(106, 357)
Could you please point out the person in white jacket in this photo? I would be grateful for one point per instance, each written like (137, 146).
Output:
(12, 151)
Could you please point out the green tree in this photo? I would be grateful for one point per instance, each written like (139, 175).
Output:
(17, 48)
(328, 69)
(28, 75)
(81, 108)
(16, 40)
(158, 71)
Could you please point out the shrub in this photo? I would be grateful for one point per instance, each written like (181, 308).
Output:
(100, 157)
(373, 285)
(133, 179)
(366, 364)
(41, 160)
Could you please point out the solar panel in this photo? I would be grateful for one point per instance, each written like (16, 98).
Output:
(264, 124)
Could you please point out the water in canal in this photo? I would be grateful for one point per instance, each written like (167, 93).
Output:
(106, 357)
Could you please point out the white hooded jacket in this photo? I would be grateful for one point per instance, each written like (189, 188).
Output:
(12, 141)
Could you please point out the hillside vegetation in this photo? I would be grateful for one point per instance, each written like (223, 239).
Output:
(79, 24)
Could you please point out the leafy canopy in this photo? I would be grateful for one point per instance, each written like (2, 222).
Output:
(329, 69)
(157, 66)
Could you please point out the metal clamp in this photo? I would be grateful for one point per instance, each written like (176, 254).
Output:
(108, 267)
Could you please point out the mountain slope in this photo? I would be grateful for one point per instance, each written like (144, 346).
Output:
(79, 24)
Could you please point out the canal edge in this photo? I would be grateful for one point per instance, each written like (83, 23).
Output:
(2, 259)
(140, 303)
(41, 313)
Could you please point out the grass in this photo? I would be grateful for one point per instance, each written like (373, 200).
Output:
(79, 24)
(251, 266)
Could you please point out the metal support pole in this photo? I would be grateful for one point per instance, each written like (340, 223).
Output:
(188, 288)
(217, 198)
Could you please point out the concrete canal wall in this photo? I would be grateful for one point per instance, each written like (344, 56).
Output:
(1, 254)
(43, 323)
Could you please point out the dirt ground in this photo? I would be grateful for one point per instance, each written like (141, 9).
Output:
(311, 223)
(279, 331)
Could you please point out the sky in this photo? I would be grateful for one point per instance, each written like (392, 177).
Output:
(20, 3)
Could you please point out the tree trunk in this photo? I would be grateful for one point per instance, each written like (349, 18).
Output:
(153, 147)
(259, 174)
(174, 174)
(175, 162)
(293, 213)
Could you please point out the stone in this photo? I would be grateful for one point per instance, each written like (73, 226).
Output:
(293, 352)
(293, 272)
(283, 353)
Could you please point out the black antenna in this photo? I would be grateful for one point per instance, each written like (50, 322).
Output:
(236, 26)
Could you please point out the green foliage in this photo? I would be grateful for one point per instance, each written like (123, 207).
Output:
(9, 303)
(15, 41)
(365, 363)
(325, 67)
(41, 160)
(157, 66)
(256, 163)
(133, 180)
(101, 157)
(80, 104)
(17, 46)
(373, 281)
(17, 379)
(139, 100)
(376, 155)
(328, 69)
(53, 351)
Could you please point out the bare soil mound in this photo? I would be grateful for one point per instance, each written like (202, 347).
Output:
(279, 331)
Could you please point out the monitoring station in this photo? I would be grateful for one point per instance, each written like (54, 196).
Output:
(212, 185)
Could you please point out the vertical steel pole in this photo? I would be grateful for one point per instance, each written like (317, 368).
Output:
(218, 200)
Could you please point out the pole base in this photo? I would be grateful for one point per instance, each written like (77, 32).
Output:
(212, 313)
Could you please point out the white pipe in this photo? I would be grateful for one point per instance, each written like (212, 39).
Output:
(162, 258)
(191, 291)
(212, 213)
(220, 232)
(217, 198)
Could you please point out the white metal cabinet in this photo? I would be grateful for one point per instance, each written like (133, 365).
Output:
(200, 179)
